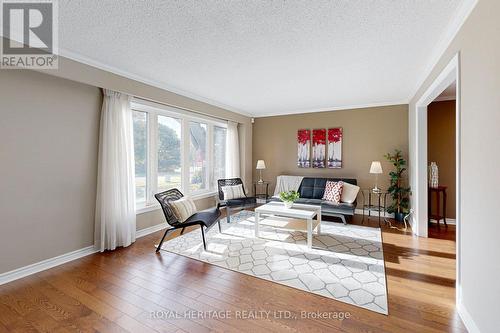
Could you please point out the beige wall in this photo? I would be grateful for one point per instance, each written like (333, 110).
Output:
(368, 134)
(441, 149)
(48, 169)
(48, 151)
(479, 47)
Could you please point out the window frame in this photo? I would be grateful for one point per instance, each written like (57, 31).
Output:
(153, 110)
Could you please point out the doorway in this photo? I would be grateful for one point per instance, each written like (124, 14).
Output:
(419, 165)
(441, 157)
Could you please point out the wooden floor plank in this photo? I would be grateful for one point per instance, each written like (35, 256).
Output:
(120, 291)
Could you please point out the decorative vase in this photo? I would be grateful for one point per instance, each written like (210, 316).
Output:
(288, 204)
(433, 175)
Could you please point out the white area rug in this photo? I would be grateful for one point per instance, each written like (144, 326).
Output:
(346, 262)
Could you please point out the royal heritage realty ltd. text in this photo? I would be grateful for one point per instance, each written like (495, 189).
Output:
(249, 314)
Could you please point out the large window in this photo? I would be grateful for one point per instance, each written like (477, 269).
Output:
(197, 156)
(140, 120)
(176, 149)
(169, 153)
(219, 165)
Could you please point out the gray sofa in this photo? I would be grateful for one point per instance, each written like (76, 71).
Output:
(311, 192)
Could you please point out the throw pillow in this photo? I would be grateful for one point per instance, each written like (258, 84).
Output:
(333, 191)
(233, 192)
(183, 208)
(349, 193)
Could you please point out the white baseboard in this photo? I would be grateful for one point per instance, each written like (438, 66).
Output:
(467, 319)
(448, 221)
(359, 211)
(150, 230)
(45, 264)
(64, 258)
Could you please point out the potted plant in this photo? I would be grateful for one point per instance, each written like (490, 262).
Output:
(399, 193)
(289, 198)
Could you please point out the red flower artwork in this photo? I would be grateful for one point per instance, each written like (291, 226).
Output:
(303, 136)
(335, 148)
(303, 148)
(319, 136)
(319, 148)
(335, 134)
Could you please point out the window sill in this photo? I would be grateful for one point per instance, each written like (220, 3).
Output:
(150, 208)
(146, 209)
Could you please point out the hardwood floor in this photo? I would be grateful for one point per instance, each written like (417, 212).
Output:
(133, 289)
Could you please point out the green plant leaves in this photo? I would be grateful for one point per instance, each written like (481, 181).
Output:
(399, 193)
(289, 196)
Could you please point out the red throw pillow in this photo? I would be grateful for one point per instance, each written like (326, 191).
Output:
(333, 191)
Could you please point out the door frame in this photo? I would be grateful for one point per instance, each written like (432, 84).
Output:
(420, 220)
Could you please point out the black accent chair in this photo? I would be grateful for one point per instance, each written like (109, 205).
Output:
(206, 218)
(239, 203)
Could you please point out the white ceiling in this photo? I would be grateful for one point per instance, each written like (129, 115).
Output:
(264, 57)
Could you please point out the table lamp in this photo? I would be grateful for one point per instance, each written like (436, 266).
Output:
(261, 165)
(376, 168)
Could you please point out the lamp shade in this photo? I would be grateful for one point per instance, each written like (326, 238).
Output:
(376, 167)
(261, 165)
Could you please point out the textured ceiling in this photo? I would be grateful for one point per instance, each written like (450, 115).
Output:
(263, 57)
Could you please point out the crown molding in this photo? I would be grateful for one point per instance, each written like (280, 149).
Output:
(444, 42)
(129, 75)
(333, 108)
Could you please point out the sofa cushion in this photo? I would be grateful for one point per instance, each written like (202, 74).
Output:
(333, 191)
(349, 193)
(309, 201)
(314, 188)
(340, 208)
(326, 207)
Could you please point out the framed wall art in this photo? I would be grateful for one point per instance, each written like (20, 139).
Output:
(319, 148)
(335, 148)
(304, 148)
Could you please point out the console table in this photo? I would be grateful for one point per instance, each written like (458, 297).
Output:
(440, 191)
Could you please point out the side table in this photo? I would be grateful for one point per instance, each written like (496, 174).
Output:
(380, 204)
(262, 195)
(438, 216)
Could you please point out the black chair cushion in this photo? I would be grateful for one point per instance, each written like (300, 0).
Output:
(208, 217)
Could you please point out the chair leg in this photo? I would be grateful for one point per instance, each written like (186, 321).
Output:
(182, 231)
(162, 239)
(228, 215)
(203, 236)
(220, 230)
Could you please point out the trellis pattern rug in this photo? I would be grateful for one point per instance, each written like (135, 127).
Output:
(346, 262)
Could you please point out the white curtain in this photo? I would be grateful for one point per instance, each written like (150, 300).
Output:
(232, 151)
(115, 206)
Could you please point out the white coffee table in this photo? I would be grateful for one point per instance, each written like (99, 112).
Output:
(304, 214)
